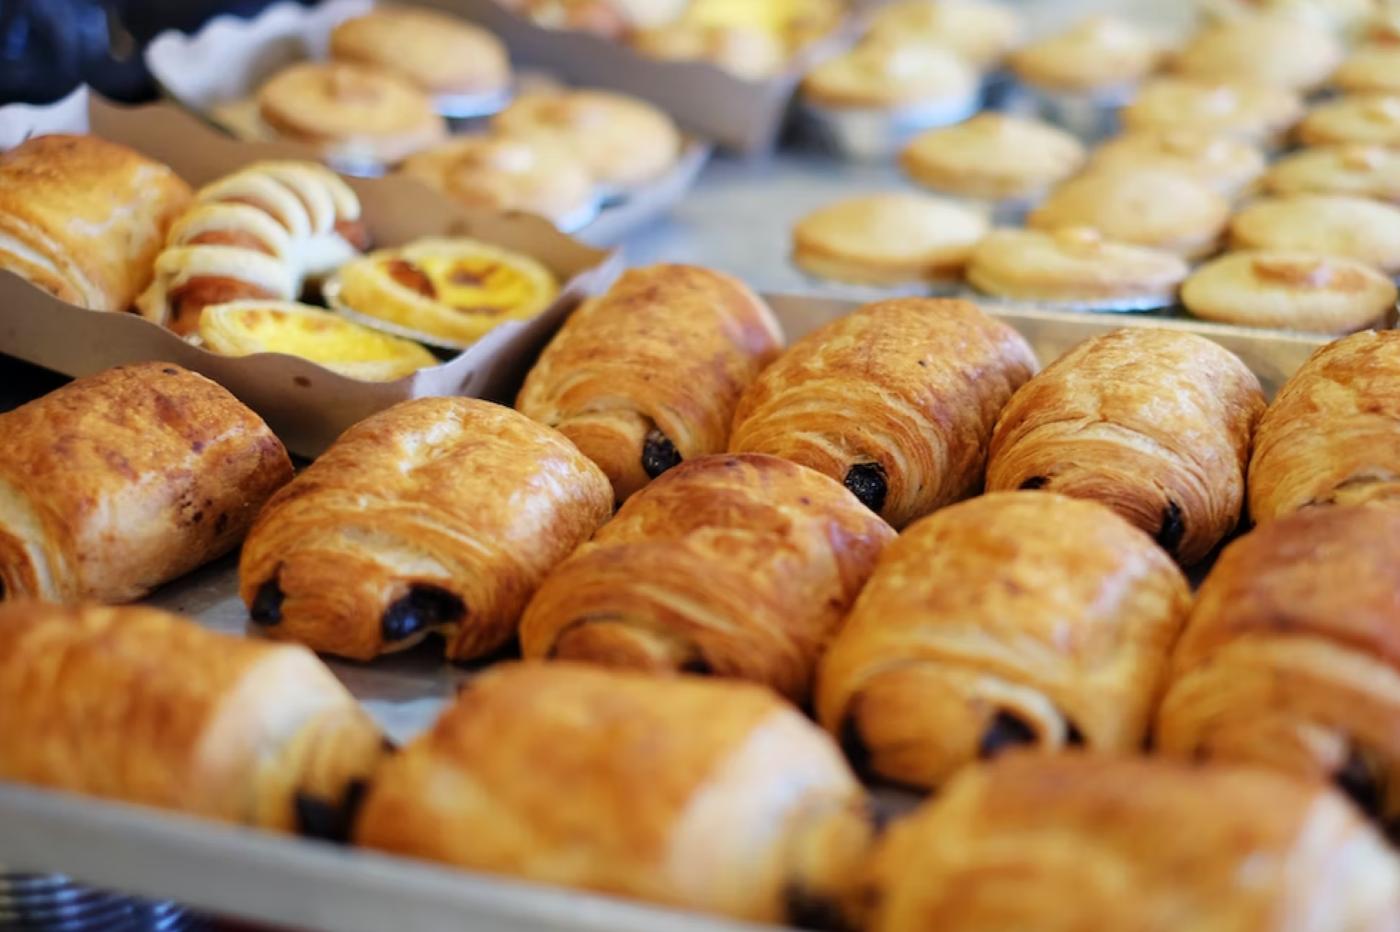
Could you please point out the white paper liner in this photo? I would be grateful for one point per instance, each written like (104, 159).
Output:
(20, 121)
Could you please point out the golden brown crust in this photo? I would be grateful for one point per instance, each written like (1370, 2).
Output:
(1013, 618)
(1331, 434)
(83, 218)
(1155, 424)
(141, 706)
(442, 54)
(1291, 658)
(122, 481)
(1087, 842)
(993, 156)
(896, 400)
(437, 514)
(740, 565)
(683, 791)
(649, 374)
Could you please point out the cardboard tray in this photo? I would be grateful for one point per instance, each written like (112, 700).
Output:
(215, 72)
(306, 404)
(313, 885)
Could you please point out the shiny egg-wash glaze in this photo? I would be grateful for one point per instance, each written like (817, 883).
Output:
(124, 480)
(141, 706)
(1156, 424)
(682, 791)
(896, 401)
(648, 375)
(1291, 658)
(1016, 618)
(439, 514)
(737, 565)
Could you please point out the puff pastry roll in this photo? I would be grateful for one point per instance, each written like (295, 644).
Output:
(738, 565)
(1080, 842)
(1156, 424)
(1290, 657)
(83, 218)
(260, 232)
(1332, 435)
(117, 483)
(896, 401)
(648, 375)
(683, 791)
(1017, 618)
(145, 707)
(439, 514)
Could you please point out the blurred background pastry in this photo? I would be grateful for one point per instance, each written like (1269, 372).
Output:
(1228, 164)
(1328, 224)
(983, 32)
(1362, 119)
(1274, 49)
(1290, 291)
(1358, 169)
(1260, 112)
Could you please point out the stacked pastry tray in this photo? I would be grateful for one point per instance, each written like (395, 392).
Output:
(308, 884)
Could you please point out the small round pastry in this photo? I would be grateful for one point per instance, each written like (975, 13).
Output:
(1372, 69)
(993, 157)
(888, 239)
(1074, 265)
(1357, 169)
(599, 17)
(501, 173)
(1289, 291)
(895, 74)
(1283, 51)
(451, 291)
(982, 32)
(1227, 164)
(620, 140)
(350, 109)
(441, 54)
(1100, 53)
(1155, 207)
(755, 54)
(1253, 111)
(1330, 224)
(1365, 118)
(242, 328)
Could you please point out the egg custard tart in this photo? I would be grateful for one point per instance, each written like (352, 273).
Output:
(241, 328)
(448, 292)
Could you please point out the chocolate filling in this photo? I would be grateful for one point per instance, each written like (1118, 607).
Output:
(1173, 527)
(659, 453)
(1035, 482)
(1074, 738)
(853, 744)
(318, 818)
(808, 910)
(1358, 780)
(867, 482)
(267, 604)
(1005, 731)
(697, 665)
(423, 608)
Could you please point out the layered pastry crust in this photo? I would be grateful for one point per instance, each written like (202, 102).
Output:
(993, 157)
(83, 218)
(438, 514)
(1072, 265)
(137, 705)
(649, 375)
(896, 400)
(441, 54)
(890, 238)
(1331, 436)
(696, 794)
(737, 565)
(1290, 658)
(1289, 290)
(1156, 424)
(1084, 841)
(122, 481)
(1013, 619)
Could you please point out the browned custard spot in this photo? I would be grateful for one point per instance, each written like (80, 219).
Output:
(410, 276)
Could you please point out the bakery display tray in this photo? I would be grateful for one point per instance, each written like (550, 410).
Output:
(314, 885)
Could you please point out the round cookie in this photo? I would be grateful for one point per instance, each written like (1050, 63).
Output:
(981, 32)
(994, 157)
(1098, 53)
(344, 106)
(1153, 207)
(1235, 108)
(441, 54)
(1367, 119)
(887, 239)
(891, 74)
(1330, 224)
(1357, 169)
(1275, 49)
(1227, 164)
(1289, 291)
(1372, 69)
(1073, 265)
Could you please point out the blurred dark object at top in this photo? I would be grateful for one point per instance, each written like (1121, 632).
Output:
(49, 47)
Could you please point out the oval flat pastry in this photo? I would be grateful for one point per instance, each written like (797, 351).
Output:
(242, 328)
(449, 292)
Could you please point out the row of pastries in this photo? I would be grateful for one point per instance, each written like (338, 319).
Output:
(787, 530)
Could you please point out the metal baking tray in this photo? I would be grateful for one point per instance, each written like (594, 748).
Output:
(313, 885)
